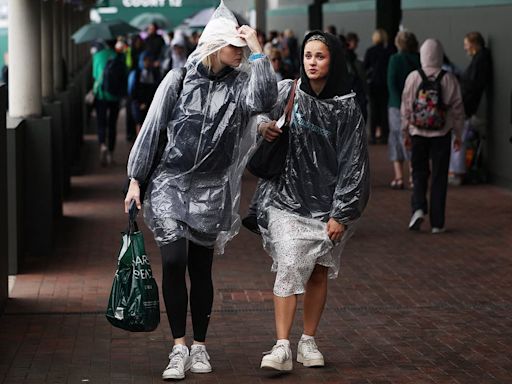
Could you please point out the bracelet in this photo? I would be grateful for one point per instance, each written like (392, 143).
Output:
(256, 56)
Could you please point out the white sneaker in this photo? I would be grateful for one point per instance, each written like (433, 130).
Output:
(103, 155)
(416, 220)
(308, 354)
(200, 359)
(179, 363)
(279, 358)
(436, 230)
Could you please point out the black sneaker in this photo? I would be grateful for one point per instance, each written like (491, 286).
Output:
(251, 223)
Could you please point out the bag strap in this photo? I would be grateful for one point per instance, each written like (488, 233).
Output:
(132, 215)
(423, 75)
(289, 105)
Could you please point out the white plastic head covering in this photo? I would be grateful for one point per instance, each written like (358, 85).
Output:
(179, 39)
(220, 32)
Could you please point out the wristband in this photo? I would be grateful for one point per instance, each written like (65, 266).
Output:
(256, 56)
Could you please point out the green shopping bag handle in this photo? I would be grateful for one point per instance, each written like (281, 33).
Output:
(132, 215)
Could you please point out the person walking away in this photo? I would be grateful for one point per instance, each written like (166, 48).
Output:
(142, 85)
(154, 43)
(109, 74)
(401, 64)
(376, 62)
(431, 108)
(307, 214)
(192, 198)
(474, 81)
(175, 56)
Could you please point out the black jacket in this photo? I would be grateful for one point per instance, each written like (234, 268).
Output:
(475, 79)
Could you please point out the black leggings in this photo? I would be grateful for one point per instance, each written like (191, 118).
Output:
(176, 257)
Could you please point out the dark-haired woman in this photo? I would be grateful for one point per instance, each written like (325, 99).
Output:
(307, 214)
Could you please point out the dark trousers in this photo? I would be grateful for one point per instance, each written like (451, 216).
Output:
(379, 112)
(106, 115)
(436, 149)
(130, 123)
(176, 258)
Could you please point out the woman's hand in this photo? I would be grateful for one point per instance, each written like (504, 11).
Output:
(335, 230)
(133, 194)
(269, 130)
(251, 38)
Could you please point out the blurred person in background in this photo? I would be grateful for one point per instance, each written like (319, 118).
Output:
(477, 77)
(406, 60)
(376, 62)
(154, 43)
(430, 110)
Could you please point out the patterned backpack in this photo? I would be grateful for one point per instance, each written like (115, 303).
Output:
(428, 109)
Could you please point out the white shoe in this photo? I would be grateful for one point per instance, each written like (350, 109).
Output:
(308, 354)
(200, 359)
(436, 230)
(108, 158)
(416, 220)
(103, 155)
(179, 363)
(279, 358)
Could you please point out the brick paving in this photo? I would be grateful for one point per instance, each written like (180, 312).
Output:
(407, 308)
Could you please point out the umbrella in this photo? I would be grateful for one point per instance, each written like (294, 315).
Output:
(106, 30)
(201, 18)
(144, 19)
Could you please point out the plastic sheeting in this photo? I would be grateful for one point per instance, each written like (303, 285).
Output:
(326, 176)
(194, 192)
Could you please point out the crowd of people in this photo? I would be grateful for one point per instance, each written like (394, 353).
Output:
(198, 105)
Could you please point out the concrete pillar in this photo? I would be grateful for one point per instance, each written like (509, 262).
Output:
(70, 43)
(64, 39)
(261, 15)
(24, 58)
(388, 17)
(4, 246)
(58, 76)
(47, 49)
(316, 15)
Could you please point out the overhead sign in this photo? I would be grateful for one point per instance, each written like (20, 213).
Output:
(152, 3)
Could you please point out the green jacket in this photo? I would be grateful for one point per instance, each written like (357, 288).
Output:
(99, 61)
(400, 65)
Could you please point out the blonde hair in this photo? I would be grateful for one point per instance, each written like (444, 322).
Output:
(210, 59)
(380, 36)
(406, 41)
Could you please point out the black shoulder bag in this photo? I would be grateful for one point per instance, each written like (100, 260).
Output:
(269, 160)
(162, 143)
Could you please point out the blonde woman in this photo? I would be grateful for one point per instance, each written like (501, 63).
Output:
(191, 201)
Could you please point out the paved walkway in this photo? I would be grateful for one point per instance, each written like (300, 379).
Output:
(408, 307)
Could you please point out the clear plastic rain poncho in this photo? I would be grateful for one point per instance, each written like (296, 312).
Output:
(326, 176)
(194, 192)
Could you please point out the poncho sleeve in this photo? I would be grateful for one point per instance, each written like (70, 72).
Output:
(157, 119)
(353, 186)
(261, 91)
(283, 92)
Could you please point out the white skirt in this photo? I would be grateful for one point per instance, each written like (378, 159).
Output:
(296, 244)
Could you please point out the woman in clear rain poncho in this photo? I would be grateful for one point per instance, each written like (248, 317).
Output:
(307, 214)
(192, 198)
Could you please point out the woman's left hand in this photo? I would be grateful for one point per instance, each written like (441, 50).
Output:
(335, 230)
(251, 38)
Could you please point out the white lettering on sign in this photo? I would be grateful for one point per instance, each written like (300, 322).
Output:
(151, 3)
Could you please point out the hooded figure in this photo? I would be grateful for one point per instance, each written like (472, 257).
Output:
(325, 180)
(192, 196)
(431, 145)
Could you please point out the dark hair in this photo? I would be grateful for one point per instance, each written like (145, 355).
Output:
(475, 38)
(352, 36)
(331, 29)
(111, 43)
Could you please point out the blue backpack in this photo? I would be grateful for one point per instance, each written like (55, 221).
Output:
(115, 78)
